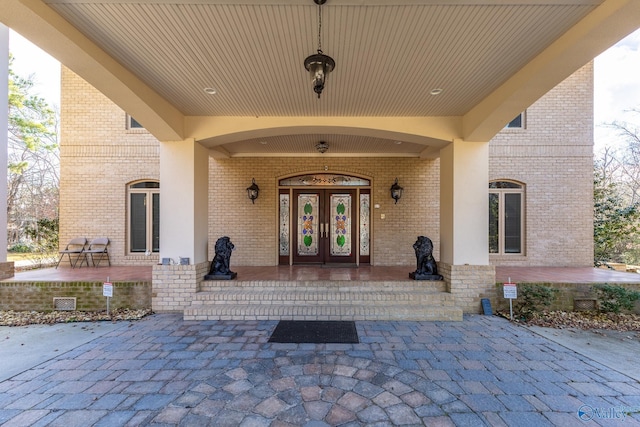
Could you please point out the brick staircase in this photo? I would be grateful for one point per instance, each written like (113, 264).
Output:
(322, 300)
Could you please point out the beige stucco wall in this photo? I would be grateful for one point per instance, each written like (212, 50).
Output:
(552, 157)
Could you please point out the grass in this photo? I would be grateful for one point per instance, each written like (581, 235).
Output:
(35, 260)
(14, 256)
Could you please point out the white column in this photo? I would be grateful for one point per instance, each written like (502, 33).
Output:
(184, 188)
(4, 139)
(464, 203)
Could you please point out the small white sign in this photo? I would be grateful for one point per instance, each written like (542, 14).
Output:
(510, 290)
(107, 289)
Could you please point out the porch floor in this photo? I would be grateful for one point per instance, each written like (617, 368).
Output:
(294, 273)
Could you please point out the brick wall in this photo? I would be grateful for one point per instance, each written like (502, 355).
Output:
(7, 270)
(252, 227)
(564, 301)
(553, 157)
(38, 296)
(99, 157)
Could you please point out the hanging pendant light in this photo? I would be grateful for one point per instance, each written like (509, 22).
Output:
(319, 64)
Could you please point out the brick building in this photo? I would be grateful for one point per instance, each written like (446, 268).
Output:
(421, 93)
(548, 153)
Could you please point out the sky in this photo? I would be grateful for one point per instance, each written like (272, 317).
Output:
(616, 81)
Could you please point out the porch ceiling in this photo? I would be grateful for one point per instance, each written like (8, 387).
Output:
(491, 58)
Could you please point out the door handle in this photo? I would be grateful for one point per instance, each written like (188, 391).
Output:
(326, 230)
(321, 229)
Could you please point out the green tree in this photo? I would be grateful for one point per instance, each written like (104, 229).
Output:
(33, 158)
(615, 224)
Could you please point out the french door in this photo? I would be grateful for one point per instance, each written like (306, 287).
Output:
(323, 226)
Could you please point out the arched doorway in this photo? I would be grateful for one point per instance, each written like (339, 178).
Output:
(324, 219)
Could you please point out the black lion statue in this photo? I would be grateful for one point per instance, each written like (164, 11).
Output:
(426, 264)
(220, 264)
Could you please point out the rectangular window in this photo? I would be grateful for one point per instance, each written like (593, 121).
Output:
(494, 225)
(512, 223)
(138, 224)
(156, 223)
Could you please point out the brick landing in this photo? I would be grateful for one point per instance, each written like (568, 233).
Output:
(400, 273)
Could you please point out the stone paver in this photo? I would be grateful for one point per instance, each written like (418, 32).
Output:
(166, 371)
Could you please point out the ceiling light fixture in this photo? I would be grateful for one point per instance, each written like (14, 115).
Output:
(322, 147)
(210, 90)
(436, 91)
(319, 64)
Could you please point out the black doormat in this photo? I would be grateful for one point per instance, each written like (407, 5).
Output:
(315, 332)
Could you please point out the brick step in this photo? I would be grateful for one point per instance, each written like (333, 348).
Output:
(322, 297)
(414, 312)
(339, 285)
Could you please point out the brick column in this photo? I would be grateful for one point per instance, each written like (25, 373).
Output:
(469, 284)
(174, 286)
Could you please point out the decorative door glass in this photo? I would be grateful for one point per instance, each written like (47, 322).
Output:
(284, 224)
(340, 224)
(364, 223)
(308, 220)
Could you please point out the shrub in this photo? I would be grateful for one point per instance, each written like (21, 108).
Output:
(20, 248)
(534, 298)
(613, 298)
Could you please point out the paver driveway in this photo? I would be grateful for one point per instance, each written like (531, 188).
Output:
(165, 371)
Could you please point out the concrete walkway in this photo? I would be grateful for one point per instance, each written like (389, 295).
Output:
(165, 371)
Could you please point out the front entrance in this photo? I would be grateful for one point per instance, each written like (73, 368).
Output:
(324, 219)
(324, 230)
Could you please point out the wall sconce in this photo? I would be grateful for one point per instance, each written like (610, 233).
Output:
(396, 191)
(253, 191)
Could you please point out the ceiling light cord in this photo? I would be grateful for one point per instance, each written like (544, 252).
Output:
(319, 28)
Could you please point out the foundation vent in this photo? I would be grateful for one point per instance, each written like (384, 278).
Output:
(64, 303)
(587, 304)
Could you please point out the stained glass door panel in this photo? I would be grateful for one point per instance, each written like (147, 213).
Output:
(308, 218)
(341, 235)
(340, 229)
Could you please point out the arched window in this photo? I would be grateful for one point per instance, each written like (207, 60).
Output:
(144, 217)
(506, 218)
